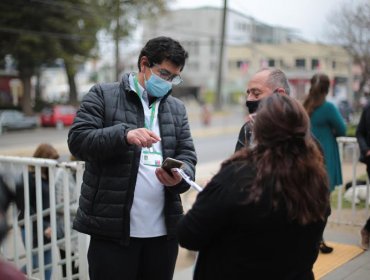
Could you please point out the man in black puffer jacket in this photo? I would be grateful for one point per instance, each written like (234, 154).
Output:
(363, 139)
(129, 204)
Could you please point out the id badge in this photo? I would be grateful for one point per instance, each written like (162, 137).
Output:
(151, 158)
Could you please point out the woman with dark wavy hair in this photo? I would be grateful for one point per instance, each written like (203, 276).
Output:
(263, 214)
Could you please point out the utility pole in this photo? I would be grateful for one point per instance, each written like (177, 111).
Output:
(350, 95)
(116, 40)
(218, 104)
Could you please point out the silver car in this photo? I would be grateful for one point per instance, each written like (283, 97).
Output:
(14, 120)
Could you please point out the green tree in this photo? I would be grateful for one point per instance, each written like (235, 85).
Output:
(125, 15)
(350, 27)
(117, 17)
(37, 32)
(82, 20)
(22, 36)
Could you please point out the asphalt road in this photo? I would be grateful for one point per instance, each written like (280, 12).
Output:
(213, 143)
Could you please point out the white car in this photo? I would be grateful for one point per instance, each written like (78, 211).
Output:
(15, 120)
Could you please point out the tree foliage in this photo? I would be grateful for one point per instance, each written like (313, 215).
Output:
(126, 14)
(350, 27)
(37, 32)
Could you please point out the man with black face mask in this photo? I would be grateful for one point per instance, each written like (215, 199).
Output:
(7, 270)
(262, 84)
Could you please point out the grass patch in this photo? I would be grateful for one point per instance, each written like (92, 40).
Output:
(351, 130)
(345, 203)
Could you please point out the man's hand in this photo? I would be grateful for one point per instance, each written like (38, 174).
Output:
(47, 232)
(368, 153)
(167, 179)
(142, 137)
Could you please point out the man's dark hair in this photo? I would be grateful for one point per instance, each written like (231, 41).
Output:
(163, 48)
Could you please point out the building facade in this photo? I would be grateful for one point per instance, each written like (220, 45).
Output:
(299, 60)
(249, 45)
(199, 30)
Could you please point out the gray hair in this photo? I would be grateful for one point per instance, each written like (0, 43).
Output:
(276, 79)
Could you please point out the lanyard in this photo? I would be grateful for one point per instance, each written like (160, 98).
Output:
(154, 105)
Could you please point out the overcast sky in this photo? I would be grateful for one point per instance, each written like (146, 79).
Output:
(308, 16)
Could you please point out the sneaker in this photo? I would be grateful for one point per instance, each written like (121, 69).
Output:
(365, 239)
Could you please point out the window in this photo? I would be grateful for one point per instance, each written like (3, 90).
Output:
(300, 63)
(192, 47)
(212, 46)
(196, 47)
(243, 65)
(315, 64)
(281, 63)
(271, 62)
(333, 64)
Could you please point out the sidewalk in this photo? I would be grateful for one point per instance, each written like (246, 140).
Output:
(359, 267)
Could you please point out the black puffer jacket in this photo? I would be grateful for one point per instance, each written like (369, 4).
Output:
(98, 137)
(245, 136)
(363, 134)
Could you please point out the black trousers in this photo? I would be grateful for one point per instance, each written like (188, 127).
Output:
(367, 224)
(64, 266)
(144, 259)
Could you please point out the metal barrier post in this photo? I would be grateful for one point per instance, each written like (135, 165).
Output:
(15, 234)
(340, 188)
(67, 223)
(367, 196)
(83, 239)
(354, 182)
(53, 223)
(40, 222)
(27, 223)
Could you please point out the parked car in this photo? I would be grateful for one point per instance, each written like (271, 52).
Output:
(14, 120)
(58, 115)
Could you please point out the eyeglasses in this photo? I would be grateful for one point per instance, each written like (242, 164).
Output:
(168, 76)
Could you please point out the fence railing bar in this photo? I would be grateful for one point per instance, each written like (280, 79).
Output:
(40, 222)
(27, 231)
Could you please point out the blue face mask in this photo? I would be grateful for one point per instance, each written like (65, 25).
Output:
(156, 86)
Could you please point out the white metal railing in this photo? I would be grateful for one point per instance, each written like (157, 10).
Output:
(355, 216)
(13, 168)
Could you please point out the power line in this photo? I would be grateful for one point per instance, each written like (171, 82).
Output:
(77, 9)
(66, 36)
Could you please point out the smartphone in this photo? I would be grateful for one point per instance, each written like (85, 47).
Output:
(170, 163)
